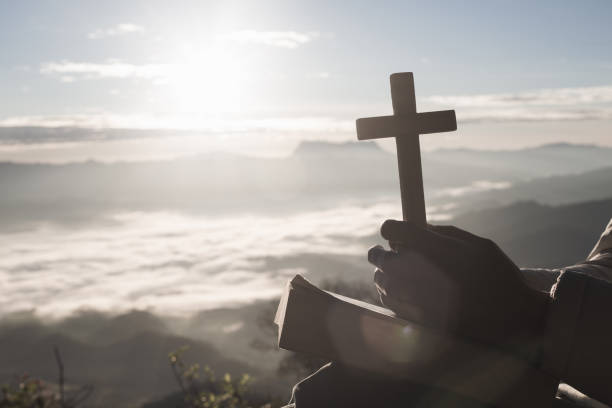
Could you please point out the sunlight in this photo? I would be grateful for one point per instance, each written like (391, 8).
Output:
(210, 81)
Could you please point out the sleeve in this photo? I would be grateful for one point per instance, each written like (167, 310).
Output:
(598, 265)
(540, 279)
(579, 334)
(603, 246)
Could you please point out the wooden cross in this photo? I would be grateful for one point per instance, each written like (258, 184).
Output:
(405, 125)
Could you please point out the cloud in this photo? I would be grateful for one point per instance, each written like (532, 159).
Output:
(175, 264)
(585, 103)
(533, 115)
(282, 39)
(119, 29)
(475, 187)
(542, 97)
(320, 75)
(196, 122)
(69, 71)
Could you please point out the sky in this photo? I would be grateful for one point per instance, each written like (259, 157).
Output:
(259, 76)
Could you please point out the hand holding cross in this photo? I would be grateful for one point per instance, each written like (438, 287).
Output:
(405, 125)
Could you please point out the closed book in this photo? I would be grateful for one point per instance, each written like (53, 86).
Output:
(373, 339)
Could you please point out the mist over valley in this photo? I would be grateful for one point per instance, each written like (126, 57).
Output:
(103, 259)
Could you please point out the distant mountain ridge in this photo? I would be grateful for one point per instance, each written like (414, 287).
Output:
(537, 235)
(322, 147)
(544, 160)
(317, 175)
(553, 190)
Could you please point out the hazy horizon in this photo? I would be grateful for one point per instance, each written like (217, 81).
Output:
(235, 77)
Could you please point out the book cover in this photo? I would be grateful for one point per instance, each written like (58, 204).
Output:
(373, 339)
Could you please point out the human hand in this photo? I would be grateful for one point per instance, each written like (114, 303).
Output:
(450, 279)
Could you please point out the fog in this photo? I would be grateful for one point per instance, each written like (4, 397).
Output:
(101, 259)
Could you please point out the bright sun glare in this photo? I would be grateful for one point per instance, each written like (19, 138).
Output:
(206, 81)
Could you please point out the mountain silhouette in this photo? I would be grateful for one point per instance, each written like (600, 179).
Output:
(316, 175)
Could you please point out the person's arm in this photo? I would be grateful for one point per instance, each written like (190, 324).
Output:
(464, 283)
(579, 330)
(540, 279)
(579, 335)
(452, 278)
(598, 264)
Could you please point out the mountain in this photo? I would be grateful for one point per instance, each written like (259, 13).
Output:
(537, 235)
(97, 328)
(317, 175)
(125, 372)
(340, 150)
(541, 161)
(554, 190)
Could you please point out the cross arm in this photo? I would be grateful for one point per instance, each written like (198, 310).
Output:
(435, 122)
(398, 125)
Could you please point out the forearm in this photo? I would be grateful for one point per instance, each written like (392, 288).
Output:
(578, 329)
(541, 279)
(579, 334)
(597, 265)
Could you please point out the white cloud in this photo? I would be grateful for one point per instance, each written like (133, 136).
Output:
(69, 71)
(175, 264)
(586, 103)
(474, 187)
(119, 29)
(533, 115)
(320, 75)
(543, 97)
(198, 122)
(283, 39)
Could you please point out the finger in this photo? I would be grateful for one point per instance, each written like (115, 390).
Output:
(406, 285)
(382, 282)
(454, 232)
(379, 279)
(428, 312)
(401, 268)
(423, 240)
(402, 309)
(380, 257)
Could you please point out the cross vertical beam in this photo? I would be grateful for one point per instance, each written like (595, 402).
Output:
(408, 151)
(406, 125)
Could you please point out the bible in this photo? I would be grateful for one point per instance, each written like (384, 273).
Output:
(374, 340)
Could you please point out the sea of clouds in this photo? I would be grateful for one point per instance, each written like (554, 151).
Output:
(171, 263)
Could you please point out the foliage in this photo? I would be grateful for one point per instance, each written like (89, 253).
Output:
(28, 392)
(201, 388)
